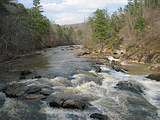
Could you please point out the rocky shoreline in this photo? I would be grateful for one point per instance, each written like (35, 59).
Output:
(153, 59)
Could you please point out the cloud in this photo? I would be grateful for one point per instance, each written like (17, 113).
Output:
(75, 11)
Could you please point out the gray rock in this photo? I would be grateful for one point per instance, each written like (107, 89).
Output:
(57, 102)
(15, 90)
(99, 116)
(154, 77)
(128, 86)
(47, 92)
(33, 89)
(20, 90)
(98, 69)
(35, 97)
(2, 98)
(70, 103)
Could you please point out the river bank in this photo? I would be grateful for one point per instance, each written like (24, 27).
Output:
(134, 66)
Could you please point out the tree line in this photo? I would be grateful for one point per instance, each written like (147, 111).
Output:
(23, 30)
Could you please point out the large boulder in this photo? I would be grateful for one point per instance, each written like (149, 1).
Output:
(73, 104)
(128, 86)
(68, 103)
(57, 102)
(15, 90)
(154, 77)
(20, 90)
(99, 116)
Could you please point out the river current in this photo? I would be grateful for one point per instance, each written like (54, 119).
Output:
(76, 77)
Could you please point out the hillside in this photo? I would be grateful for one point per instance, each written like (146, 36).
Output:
(135, 30)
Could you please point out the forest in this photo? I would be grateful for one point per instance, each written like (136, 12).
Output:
(23, 30)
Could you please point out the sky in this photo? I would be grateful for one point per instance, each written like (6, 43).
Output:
(74, 11)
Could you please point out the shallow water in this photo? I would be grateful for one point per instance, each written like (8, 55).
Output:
(75, 77)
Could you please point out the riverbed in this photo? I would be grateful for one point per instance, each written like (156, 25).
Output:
(76, 77)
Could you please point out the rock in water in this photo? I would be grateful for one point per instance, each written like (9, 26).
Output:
(70, 103)
(25, 72)
(57, 102)
(98, 69)
(35, 97)
(15, 90)
(33, 89)
(22, 77)
(47, 92)
(154, 77)
(37, 77)
(119, 69)
(128, 86)
(2, 98)
(99, 116)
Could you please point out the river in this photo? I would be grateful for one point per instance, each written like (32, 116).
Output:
(75, 77)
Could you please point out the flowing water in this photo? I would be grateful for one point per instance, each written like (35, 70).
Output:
(75, 77)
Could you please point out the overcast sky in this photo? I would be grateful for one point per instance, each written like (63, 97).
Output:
(74, 11)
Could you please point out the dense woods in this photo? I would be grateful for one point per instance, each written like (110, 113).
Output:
(21, 30)
(24, 30)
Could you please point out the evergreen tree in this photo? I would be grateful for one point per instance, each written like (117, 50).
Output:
(98, 23)
(39, 25)
(104, 29)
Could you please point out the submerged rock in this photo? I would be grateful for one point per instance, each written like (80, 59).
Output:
(25, 72)
(154, 77)
(22, 77)
(73, 104)
(68, 103)
(98, 69)
(37, 77)
(2, 98)
(47, 92)
(99, 116)
(128, 86)
(33, 89)
(57, 102)
(119, 69)
(116, 65)
(36, 97)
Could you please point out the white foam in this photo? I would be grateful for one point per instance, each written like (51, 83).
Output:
(111, 58)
